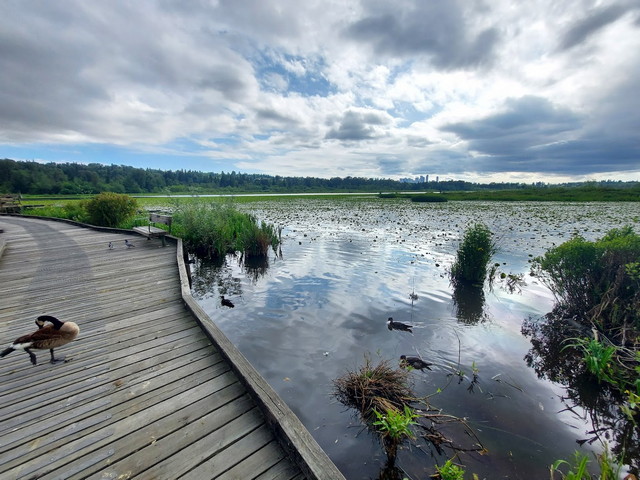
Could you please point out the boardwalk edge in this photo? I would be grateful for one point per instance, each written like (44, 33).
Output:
(293, 435)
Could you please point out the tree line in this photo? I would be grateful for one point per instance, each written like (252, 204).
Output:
(28, 177)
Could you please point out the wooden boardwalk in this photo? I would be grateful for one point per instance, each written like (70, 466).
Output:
(146, 391)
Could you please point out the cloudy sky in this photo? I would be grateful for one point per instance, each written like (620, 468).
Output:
(480, 90)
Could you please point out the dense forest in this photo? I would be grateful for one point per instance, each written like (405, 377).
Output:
(74, 178)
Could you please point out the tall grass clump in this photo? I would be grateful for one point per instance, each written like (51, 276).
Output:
(110, 209)
(380, 393)
(473, 256)
(214, 230)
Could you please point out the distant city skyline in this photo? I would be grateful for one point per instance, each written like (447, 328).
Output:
(478, 91)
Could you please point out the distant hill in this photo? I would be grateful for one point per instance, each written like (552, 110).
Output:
(74, 178)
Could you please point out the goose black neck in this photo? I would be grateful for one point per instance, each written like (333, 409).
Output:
(48, 318)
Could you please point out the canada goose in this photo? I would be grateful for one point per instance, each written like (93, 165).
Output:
(392, 325)
(226, 302)
(50, 336)
(414, 362)
(110, 246)
(129, 245)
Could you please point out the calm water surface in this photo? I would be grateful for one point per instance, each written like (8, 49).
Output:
(349, 264)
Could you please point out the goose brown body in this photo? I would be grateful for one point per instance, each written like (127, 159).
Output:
(51, 336)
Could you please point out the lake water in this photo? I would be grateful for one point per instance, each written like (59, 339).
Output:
(347, 265)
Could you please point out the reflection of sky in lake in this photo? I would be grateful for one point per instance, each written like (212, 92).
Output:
(348, 266)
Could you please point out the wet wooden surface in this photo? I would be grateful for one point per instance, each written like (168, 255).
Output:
(144, 392)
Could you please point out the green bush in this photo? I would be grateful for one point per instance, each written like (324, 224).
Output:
(110, 209)
(473, 256)
(213, 230)
(76, 211)
(596, 281)
(429, 198)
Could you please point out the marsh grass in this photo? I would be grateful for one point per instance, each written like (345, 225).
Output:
(577, 468)
(380, 393)
(378, 387)
(473, 256)
(216, 229)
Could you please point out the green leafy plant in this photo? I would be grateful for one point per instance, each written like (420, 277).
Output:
(473, 256)
(395, 423)
(577, 469)
(394, 427)
(597, 356)
(110, 209)
(450, 471)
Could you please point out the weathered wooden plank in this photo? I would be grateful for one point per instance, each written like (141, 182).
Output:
(198, 420)
(136, 445)
(168, 384)
(121, 408)
(258, 462)
(32, 411)
(205, 447)
(241, 459)
(283, 470)
(68, 455)
(83, 389)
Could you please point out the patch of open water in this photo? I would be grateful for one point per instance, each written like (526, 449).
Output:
(348, 265)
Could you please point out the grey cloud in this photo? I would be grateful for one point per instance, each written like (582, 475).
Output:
(437, 29)
(533, 135)
(595, 21)
(64, 64)
(523, 122)
(355, 126)
(391, 165)
(272, 115)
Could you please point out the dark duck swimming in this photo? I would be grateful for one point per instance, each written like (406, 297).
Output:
(226, 302)
(393, 325)
(55, 335)
(414, 362)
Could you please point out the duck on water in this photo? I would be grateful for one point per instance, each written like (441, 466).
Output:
(414, 362)
(393, 325)
(57, 334)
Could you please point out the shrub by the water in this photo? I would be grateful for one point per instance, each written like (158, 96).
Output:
(473, 256)
(428, 198)
(597, 282)
(110, 209)
(213, 230)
